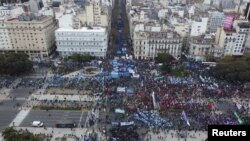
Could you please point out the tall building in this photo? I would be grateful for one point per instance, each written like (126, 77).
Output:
(93, 41)
(35, 5)
(31, 34)
(199, 26)
(4, 37)
(96, 14)
(149, 41)
(216, 20)
(231, 40)
(247, 12)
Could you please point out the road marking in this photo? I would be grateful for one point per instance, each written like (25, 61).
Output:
(79, 124)
(20, 117)
(87, 119)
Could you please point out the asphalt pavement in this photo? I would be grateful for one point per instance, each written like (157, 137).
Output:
(8, 111)
(52, 117)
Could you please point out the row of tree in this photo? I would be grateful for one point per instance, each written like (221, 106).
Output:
(15, 64)
(233, 69)
(10, 134)
(80, 57)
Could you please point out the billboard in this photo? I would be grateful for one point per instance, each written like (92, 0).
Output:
(228, 23)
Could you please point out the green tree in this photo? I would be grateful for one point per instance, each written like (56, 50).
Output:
(15, 63)
(10, 134)
(164, 58)
(233, 69)
(80, 57)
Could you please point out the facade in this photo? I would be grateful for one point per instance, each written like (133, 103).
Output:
(35, 5)
(199, 26)
(96, 15)
(148, 43)
(4, 37)
(93, 41)
(30, 34)
(244, 27)
(216, 20)
(231, 40)
(200, 46)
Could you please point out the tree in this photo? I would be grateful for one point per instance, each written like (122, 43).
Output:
(164, 58)
(80, 57)
(10, 134)
(165, 68)
(15, 63)
(233, 69)
(210, 58)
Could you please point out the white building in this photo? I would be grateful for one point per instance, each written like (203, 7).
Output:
(231, 40)
(4, 36)
(148, 41)
(199, 26)
(244, 27)
(93, 41)
(200, 46)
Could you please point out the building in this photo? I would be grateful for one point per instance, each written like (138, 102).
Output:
(247, 12)
(31, 34)
(96, 14)
(200, 46)
(244, 27)
(149, 41)
(93, 41)
(216, 20)
(4, 37)
(35, 5)
(231, 40)
(199, 26)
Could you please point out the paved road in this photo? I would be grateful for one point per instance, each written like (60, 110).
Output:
(21, 92)
(8, 111)
(56, 116)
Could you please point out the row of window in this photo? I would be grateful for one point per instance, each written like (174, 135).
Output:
(156, 41)
(82, 43)
(173, 47)
(81, 49)
(81, 39)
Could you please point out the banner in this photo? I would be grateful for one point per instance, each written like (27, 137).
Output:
(238, 118)
(185, 117)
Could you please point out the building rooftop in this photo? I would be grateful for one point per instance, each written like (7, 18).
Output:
(28, 17)
(83, 29)
(244, 25)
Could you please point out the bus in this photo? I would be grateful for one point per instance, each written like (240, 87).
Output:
(211, 64)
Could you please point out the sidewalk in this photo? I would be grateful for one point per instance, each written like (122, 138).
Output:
(60, 132)
(172, 136)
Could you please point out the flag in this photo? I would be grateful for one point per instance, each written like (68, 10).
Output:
(185, 117)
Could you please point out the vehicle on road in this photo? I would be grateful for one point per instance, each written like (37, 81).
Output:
(37, 124)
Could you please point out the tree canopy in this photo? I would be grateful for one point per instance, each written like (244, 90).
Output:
(15, 63)
(10, 134)
(80, 57)
(233, 68)
(164, 58)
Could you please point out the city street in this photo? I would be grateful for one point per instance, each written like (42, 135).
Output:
(52, 117)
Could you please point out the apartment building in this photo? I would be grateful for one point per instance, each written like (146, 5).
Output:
(31, 34)
(4, 37)
(231, 40)
(97, 15)
(90, 40)
(199, 26)
(200, 46)
(148, 41)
